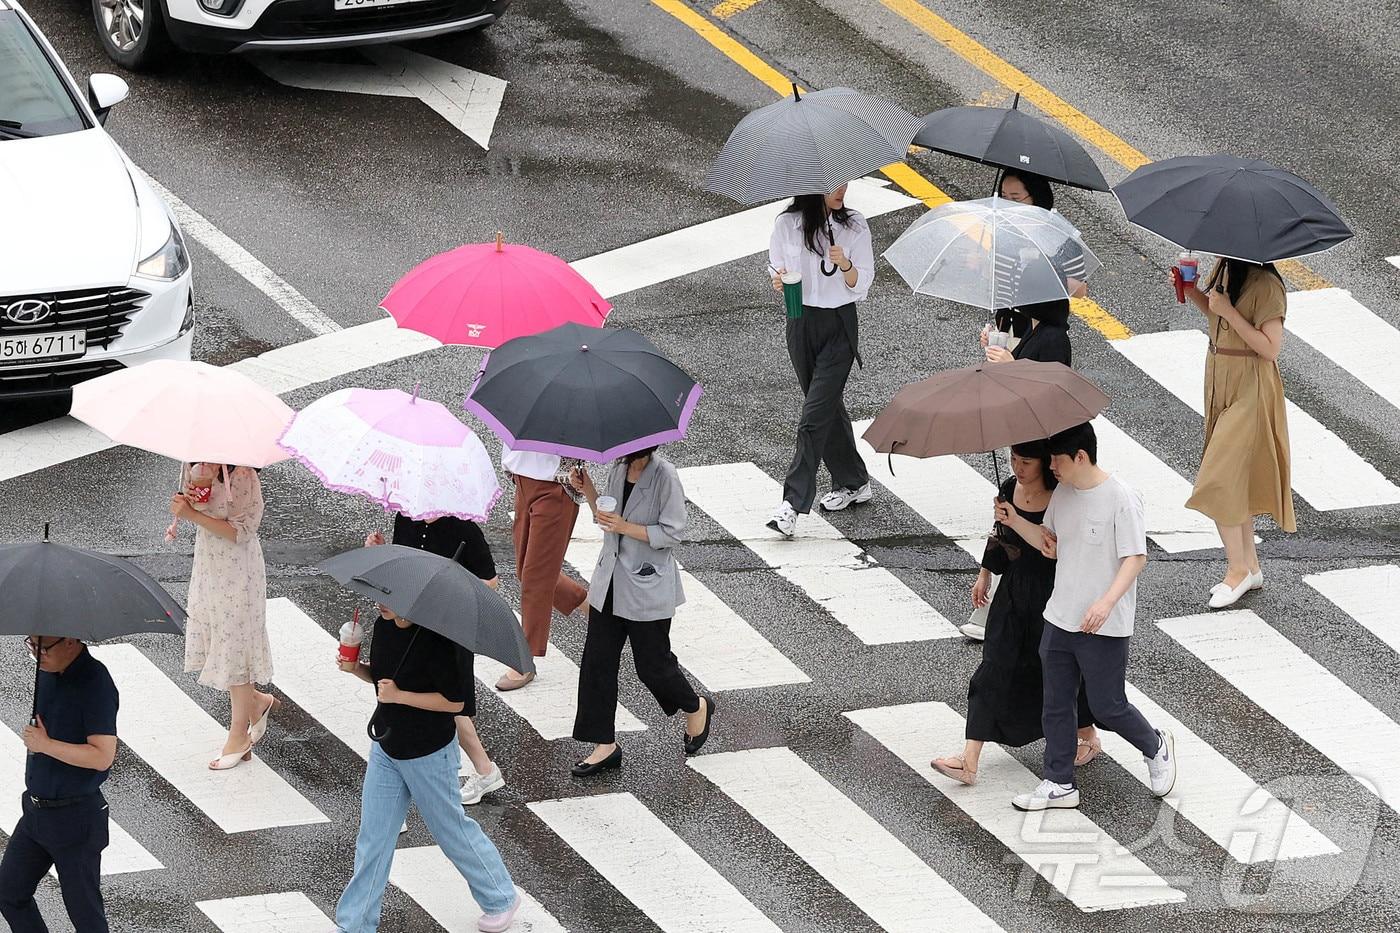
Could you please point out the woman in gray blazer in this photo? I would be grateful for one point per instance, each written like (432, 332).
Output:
(633, 594)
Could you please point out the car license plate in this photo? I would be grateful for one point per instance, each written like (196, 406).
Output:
(53, 345)
(369, 4)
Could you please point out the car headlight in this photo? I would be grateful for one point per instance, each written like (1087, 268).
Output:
(170, 261)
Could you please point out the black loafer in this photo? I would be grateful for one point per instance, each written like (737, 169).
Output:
(610, 763)
(693, 744)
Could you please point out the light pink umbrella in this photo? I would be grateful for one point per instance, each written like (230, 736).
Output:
(484, 294)
(187, 410)
(408, 454)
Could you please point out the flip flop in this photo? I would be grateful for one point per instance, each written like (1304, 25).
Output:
(1094, 749)
(961, 775)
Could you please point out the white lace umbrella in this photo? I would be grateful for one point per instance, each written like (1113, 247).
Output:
(409, 454)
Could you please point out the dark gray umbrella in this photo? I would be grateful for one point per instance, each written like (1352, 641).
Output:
(1239, 208)
(588, 392)
(1011, 139)
(56, 591)
(810, 144)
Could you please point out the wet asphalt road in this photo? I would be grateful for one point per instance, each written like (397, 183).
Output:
(612, 113)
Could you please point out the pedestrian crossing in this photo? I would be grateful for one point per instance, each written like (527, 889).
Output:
(1370, 595)
(426, 875)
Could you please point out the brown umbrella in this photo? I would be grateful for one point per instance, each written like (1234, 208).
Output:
(984, 407)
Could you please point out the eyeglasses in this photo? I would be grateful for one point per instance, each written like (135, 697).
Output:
(38, 648)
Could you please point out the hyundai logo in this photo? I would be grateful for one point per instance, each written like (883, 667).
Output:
(28, 311)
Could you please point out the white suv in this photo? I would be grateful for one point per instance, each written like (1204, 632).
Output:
(94, 274)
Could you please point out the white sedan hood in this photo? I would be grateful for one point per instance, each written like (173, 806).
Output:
(72, 216)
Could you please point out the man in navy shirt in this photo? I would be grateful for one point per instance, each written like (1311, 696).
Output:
(64, 823)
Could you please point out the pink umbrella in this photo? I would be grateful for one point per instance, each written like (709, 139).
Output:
(484, 294)
(408, 454)
(187, 410)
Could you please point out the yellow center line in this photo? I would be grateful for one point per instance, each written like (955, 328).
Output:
(1050, 103)
(728, 8)
(916, 185)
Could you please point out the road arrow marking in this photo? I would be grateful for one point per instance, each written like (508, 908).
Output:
(467, 99)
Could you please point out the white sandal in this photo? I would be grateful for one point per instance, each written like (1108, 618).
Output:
(259, 728)
(228, 762)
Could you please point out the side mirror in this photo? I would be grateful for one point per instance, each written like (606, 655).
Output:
(105, 92)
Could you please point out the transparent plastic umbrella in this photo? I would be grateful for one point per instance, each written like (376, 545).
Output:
(992, 253)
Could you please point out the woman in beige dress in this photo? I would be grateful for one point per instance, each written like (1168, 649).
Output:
(1245, 468)
(226, 636)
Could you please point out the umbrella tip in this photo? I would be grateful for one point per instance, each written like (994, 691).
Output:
(415, 392)
(584, 347)
(46, 531)
(1016, 101)
(796, 94)
(500, 242)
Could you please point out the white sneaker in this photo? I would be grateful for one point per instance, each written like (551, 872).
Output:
(498, 923)
(838, 499)
(784, 521)
(477, 786)
(1161, 767)
(974, 631)
(1048, 796)
(1222, 596)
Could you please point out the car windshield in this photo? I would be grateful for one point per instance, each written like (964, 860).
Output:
(33, 99)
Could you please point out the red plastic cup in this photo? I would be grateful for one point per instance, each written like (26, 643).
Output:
(201, 494)
(350, 652)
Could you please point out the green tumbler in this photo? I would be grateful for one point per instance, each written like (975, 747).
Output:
(792, 293)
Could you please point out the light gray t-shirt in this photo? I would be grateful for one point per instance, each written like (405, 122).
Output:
(1095, 529)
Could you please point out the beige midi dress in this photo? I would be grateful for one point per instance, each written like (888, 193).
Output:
(226, 635)
(1245, 469)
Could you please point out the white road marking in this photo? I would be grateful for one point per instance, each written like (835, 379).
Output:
(1394, 261)
(1221, 800)
(123, 853)
(178, 739)
(1164, 491)
(1175, 360)
(842, 843)
(650, 865)
(1350, 335)
(836, 574)
(291, 912)
(425, 874)
(246, 264)
(1283, 681)
(1065, 847)
(467, 99)
(711, 640)
(1370, 595)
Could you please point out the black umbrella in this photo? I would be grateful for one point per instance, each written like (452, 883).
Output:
(437, 594)
(810, 144)
(1011, 139)
(56, 591)
(1239, 208)
(585, 392)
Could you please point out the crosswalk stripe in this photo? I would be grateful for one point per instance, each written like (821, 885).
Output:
(1164, 491)
(425, 874)
(711, 640)
(863, 596)
(1370, 595)
(123, 853)
(650, 865)
(290, 912)
(1350, 335)
(1218, 798)
(1282, 680)
(1174, 359)
(178, 739)
(1394, 261)
(548, 704)
(1065, 847)
(842, 843)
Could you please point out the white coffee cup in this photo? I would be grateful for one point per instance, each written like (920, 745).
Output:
(607, 504)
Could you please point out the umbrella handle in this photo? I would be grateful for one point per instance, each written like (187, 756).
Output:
(369, 727)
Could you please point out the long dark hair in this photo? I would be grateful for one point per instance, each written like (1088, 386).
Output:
(634, 456)
(1236, 273)
(1037, 186)
(815, 218)
(1037, 450)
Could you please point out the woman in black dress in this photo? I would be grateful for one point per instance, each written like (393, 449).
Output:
(1004, 698)
(460, 540)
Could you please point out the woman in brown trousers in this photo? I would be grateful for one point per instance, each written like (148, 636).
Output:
(1245, 470)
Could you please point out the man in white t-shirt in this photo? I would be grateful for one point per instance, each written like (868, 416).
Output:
(1094, 530)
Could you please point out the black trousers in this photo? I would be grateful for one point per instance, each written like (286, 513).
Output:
(657, 669)
(822, 345)
(70, 839)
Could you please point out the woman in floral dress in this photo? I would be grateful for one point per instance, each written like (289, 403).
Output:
(226, 636)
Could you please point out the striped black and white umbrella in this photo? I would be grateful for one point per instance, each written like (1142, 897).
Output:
(810, 144)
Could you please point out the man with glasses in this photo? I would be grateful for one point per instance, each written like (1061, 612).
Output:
(72, 742)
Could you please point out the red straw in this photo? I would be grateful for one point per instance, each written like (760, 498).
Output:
(356, 620)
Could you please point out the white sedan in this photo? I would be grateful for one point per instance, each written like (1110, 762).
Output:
(95, 273)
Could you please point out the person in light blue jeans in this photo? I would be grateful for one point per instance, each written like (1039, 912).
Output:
(419, 678)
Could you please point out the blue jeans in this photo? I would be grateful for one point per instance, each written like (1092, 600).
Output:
(431, 783)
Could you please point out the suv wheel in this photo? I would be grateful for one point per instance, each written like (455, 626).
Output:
(132, 32)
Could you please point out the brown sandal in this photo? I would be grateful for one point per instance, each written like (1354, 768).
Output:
(1094, 748)
(959, 773)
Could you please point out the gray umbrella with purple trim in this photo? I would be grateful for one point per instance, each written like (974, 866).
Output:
(587, 392)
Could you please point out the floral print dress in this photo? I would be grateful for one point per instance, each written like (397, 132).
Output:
(226, 636)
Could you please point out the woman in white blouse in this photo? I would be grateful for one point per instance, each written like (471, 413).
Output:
(830, 245)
